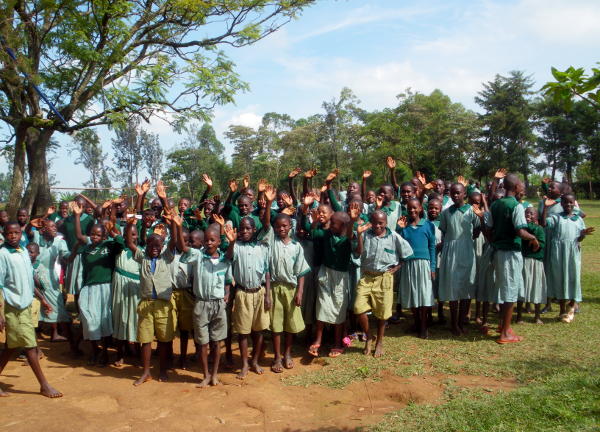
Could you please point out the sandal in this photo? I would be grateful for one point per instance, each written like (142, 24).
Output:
(313, 350)
(336, 352)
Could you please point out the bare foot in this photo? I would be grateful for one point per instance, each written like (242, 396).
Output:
(144, 378)
(368, 345)
(163, 377)
(205, 382)
(243, 373)
(49, 391)
(288, 363)
(539, 321)
(379, 351)
(256, 368)
(478, 321)
(59, 338)
(276, 366)
(119, 363)
(3, 394)
(214, 380)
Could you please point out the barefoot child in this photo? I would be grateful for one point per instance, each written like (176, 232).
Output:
(16, 280)
(287, 268)
(381, 251)
(434, 209)
(534, 276)
(419, 268)
(564, 255)
(212, 279)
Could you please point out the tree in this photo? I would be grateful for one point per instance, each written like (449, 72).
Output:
(507, 128)
(104, 62)
(86, 144)
(574, 82)
(127, 150)
(152, 154)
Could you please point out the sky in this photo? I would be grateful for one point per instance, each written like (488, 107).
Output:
(380, 48)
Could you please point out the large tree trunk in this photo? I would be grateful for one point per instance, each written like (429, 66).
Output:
(37, 196)
(16, 187)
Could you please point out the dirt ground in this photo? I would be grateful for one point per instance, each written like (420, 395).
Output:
(104, 399)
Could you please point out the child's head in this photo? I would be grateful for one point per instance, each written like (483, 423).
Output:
(531, 215)
(198, 237)
(414, 209)
(12, 233)
(416, 182)
(249, 193)
(279, 199)
(353, 188)
(475, 198)
(554, 189)
(440, 186)
(97, 233)
(457, 194)
(568, 203)
(122, 209)
(148, 217)
(301, 233)
(371, 197)
(246, 230)
(355, 197)
(245, 205)
(378, 221)
(499, 194)
(154, 245)
(386, 192)
(89, 209)
(131, 234)
(3, 217)
(513, 184)
(156, 205)
(63, 209)
(447, 186)
(34, 251)
(185, 233)
(212, 238)
(48, 230)
(434, 208)
(407, 191)
(183, 205)
(339, 222)
(282, 225)
(324, 213)
(22, 216)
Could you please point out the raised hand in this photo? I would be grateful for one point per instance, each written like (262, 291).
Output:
(362, 228)
(177, 219)
(403, 222)
(106, 204)
(161, 190)
(332, 175)
(429, 185)
(230, 233)
(37, 223)
(390, 162)
(462, 181)
(246, 181)
(501, 173)
(588, 231)
(262, 185)
(354, 211)
(198, 214)
(287, 199)
(132, 221)
(310, 173)
(324, 188)
(233, 185)
(207, 180)
(145, 186)
(546, 180)
(160, 229)
(379, 201)
(549, 202)
(290, 210)
(477, 210)
(270, 193)
(294, 172)
(421, 177)
(76, 208)
(308, 200)
(50, 210)
(367, 174)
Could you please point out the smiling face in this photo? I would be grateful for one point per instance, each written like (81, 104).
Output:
(154, 246)
(554, 190)
(131, 234)
(457, 194)
(282, 227)
(378, 221)
(386, 192)
(212, 240)
(531, 215)
(407, 192)
(371, 197)
(246, 230)
(568, 203)
(353, 188)
(148, 218)
(414, 209)
(156, 205)
(63, 209)
(324, 213)
(434, 208)
(48, 230)
(197, 239)
(97, 234)
(245, 205)
(183, 205)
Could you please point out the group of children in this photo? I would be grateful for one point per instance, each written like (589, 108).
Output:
(266, 261)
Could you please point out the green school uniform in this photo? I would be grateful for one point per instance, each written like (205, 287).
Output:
(393, 211)
(382, 253)
(534, 276)
(209, 275)
(125, 296)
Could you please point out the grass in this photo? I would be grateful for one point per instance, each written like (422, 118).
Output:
(556, 366)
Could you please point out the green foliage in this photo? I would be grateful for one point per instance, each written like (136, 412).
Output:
(574, 82)
(86, 145)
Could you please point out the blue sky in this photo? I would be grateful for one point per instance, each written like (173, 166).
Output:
(379, 48)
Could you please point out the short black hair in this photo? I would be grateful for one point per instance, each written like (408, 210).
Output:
(283, 216)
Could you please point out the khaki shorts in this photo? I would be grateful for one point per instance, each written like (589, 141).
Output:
(20, 332)
(248, 313)
(210, 321)
(285, 315)
(35, 312)
(155, 318)
(183, 303)
(375, 293)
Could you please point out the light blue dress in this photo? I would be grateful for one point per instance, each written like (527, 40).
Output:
(125, 296)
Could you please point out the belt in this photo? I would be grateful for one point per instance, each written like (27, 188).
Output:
(127, 274)
(248, 290)
(372, 273)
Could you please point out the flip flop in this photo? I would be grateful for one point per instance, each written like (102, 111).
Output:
(313, 350)
(507, 341)
(336, 352)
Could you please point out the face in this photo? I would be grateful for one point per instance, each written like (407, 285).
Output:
(457, 193)
(22, 217)
(568, 204)
(12, 234)
(440, 187)
(49, 229)
(371, 197)
(186, 238)
(245, 206)
(554, 190)
(34, 252)
(337, 226)
(63, 209)
(183, 205)
(212, 240)
(434, 208)
(197, 239)
(249, 193)
(89, 209)
(122, 208)
(519, 190)
(148, 218)
(208, 209)
(282, 228)
(96, 235)
(246, 231)
(447, 186)
(3, 217)
(156, 206)
(475, 199)
(386, 193)
(406, 192)
(378, 223)
(531, 215)
(353, 188)
(414, 210)
(324, 214)
(280, 201)
(153, 247)
(131, 234)
(416, 182)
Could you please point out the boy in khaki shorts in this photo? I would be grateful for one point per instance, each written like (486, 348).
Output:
(381, 251)
(155, 309)
(17, 285)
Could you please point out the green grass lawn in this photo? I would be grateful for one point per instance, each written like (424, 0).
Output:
(557, 366)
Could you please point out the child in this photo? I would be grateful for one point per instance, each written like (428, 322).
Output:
(419, 268)
(287, 268)
(97, 260)
(434, 209)
(16, 282)
(381, 251)
(565, 230)
(333, 294)
(212, 279)
(125, 295)
(509, 228)
(155, 309)
(310, 283)
(252, 302)
(534, 277)
(457, 267)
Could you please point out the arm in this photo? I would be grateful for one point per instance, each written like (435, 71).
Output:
(77, 210)
(268, 291)
(547, 203)
(335, 204)
(307, 175)
(363, 187)
(291, 177)
(585, 232)
(97, 208)
(141, 191)
(299, 291)
(391, 164)
(270, 194)
(38, 294)
(231, 235)
(209, 184)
